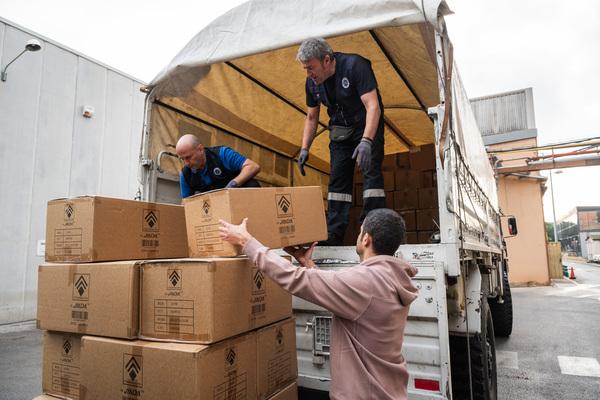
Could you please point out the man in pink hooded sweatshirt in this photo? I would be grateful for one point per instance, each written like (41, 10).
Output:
(369, 302)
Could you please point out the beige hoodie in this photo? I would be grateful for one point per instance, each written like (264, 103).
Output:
(370, 304)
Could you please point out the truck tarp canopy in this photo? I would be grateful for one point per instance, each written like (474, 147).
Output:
(240, 73)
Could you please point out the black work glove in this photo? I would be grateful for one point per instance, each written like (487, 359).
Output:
(232, 184)
(362, 154)
(302, 159)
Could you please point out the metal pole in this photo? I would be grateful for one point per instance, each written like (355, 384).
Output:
(553, 208)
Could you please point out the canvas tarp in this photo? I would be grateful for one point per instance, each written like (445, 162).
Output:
(240, 74)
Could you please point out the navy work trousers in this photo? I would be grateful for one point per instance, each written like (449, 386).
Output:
(341, 181)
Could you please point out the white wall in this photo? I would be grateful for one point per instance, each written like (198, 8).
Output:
(49, 150)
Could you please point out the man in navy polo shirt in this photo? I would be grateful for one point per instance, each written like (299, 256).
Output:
(210, 168)
(346, 85)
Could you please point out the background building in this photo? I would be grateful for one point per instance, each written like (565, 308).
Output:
(50, 149)
(579, 230)
(507, 121)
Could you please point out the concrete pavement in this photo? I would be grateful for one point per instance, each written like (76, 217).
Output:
(553, 353)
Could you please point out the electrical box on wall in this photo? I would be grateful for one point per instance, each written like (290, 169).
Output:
(88, 111)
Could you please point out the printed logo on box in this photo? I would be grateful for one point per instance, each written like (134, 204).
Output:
(206, 208)
(133, 374)
(151, 221)
(69, 214)
(258, 281)
(81, 286)
(284, 205)
(174, 279)
(66, 348)
(230, 357)
(279, 336)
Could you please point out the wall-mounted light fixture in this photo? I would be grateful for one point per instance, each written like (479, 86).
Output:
(32, 45)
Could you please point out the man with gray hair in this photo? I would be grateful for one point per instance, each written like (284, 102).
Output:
(346, 85)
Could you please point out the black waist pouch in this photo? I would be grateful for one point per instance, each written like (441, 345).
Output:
(338, 133)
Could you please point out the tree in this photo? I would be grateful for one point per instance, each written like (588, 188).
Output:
(550, 231)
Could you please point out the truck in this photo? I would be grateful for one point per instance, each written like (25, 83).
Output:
(237, 83)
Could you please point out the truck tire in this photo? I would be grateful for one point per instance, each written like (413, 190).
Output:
(502, 313)
(483, 361)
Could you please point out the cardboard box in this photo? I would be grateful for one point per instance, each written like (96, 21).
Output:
(96, 299)
(427, 179)
(353, 228)
(389, 200)
(412, 238)
(389, 163)
(61, 364)
(277, 217)
(407, 179)
(358, 177)
(207, 300)
(428, 198)
(406, 199)
(423, 159)
(388, 181)
(358, 194)
(118, 369)
(277, 364)
(428, 220)
(410, 219)
(423, 236)
(289, 393)
(403, 160)
(85, 229)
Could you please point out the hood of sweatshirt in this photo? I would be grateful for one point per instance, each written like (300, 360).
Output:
(402, 271)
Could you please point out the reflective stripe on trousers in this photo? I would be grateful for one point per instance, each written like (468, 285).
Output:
(339, 197)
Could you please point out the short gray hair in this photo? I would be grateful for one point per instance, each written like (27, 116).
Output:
(314, 48)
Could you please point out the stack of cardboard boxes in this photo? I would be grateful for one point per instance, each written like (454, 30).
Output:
(159, 325)
(410, 188)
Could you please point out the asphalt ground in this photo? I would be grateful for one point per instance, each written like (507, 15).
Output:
(553, 325)
(554, 345)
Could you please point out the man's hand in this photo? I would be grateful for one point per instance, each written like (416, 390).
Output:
(237, 235)
(302, 159)
(303, 255)
(232, 184)
(362, 154)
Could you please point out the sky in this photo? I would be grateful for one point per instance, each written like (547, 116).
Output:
(550, 46)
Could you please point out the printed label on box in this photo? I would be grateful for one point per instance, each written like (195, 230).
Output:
(174, 316)
(67, 241)
(65, 379)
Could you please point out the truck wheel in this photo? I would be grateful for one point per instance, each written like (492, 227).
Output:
(483, 361)
(502, 313)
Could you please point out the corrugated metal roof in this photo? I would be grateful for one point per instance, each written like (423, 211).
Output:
(504, 112)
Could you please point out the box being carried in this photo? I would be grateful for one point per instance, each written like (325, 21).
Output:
(92, 228)
(119, 369)
(277, 217)
(207, 300)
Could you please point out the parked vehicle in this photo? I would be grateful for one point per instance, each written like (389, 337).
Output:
(237, 83)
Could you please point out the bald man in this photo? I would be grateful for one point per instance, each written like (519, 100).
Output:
(210, 168)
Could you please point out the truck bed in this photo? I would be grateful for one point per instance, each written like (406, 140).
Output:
(425, 348)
